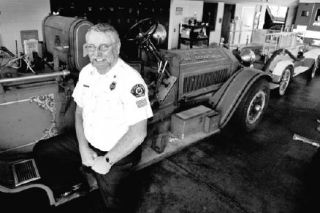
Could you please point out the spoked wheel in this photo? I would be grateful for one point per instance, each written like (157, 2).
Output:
(256, 107)
(142, 30)
(285, 80)
(252, 106)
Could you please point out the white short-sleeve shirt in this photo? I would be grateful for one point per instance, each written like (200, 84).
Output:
(111, 103)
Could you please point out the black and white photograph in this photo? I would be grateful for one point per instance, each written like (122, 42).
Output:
(160, 106)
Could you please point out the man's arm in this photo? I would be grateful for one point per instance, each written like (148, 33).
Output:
(87, 155)
(129, 142)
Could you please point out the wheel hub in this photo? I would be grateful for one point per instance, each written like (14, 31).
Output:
(284, 81)
(255, 107)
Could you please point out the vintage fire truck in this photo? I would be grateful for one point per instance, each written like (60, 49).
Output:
(194, 93)
(282, 55)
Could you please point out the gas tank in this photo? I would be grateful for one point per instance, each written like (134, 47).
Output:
(65, 36)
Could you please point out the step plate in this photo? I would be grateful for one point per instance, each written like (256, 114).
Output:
(24, 172)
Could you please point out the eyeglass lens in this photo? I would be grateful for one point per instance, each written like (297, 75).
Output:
(102, 47)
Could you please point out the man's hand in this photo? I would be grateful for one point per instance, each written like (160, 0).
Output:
(101, 166)
(88, 156)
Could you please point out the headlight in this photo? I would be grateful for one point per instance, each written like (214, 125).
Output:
(160, 34)
(247, 55)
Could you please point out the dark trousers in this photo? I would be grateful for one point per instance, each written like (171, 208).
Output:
(59, 162)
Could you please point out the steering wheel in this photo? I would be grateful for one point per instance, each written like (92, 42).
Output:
(142, 30)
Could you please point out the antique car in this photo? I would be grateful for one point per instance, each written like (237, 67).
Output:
(282, 55)
(194, 93)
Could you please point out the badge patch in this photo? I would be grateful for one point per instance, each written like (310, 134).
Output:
(138, 90)
(141, 103)
(86, 85)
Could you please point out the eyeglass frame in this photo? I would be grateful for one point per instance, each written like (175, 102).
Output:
(86, 50)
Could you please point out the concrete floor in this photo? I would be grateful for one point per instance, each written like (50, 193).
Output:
(264, 171)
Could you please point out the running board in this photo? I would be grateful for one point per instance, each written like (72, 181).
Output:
(17, 173)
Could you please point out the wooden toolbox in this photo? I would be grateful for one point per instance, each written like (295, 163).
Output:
(197, 119)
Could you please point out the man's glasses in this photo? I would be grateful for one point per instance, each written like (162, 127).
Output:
(102, 47)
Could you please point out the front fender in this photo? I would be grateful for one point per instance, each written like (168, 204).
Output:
(228, 97)
(279, 68)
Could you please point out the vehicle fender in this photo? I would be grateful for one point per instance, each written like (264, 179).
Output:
(280, 66)
(228, 97)
(313, 53)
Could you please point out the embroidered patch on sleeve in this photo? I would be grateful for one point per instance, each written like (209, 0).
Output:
(141, 103)
(138, 90)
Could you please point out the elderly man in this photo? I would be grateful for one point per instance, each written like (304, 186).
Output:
(110, 119)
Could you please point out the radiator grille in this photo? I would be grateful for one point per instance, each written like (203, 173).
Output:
(25, 171)
(196, 82)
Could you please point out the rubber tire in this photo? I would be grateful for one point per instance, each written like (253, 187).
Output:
(314, 69)
(240, 115)
(290, 68)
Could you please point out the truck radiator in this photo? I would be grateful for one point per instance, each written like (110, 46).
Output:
(204, 80)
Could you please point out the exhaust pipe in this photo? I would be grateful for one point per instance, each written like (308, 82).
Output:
(33, 77)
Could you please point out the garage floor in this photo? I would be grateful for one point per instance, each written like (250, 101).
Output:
(265, 171)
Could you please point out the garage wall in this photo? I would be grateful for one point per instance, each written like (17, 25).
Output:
(276, 2)
(179, 10)
(17, 15)
(308, 1)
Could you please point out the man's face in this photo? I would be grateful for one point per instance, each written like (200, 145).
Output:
(103, 50)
